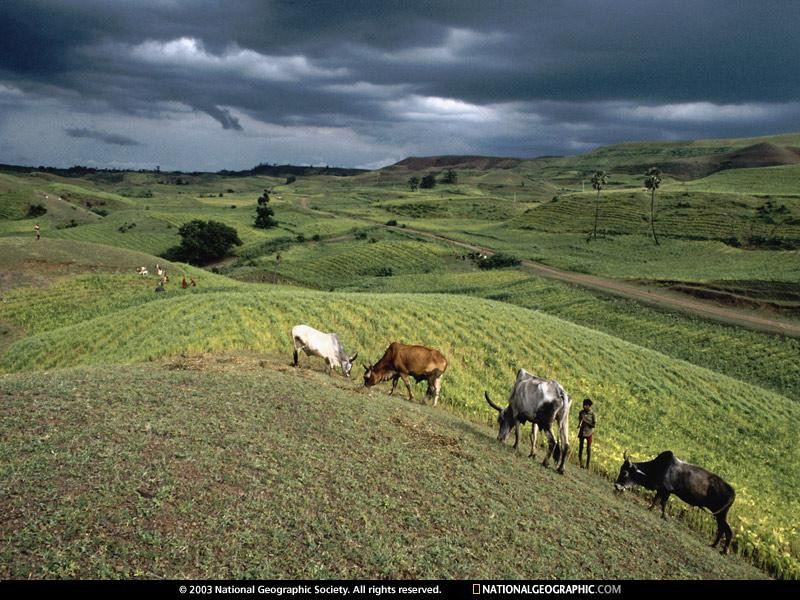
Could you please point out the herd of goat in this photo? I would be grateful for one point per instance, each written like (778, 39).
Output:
(541, 402)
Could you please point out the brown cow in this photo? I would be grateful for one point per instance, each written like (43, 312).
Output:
(399, 361)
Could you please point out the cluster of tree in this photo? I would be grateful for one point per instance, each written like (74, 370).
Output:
(264, 214)
(450, 176)
(203, 242)
(429, 181)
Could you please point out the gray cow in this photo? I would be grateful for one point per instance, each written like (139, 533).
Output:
(541, 402)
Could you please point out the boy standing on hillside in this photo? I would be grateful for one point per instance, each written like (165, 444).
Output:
(37, 229)
(586, 425)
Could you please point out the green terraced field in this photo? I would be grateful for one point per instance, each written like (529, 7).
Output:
(329, 265)
(763, 359)
(690, 215)
(780, 180)
(647, 401)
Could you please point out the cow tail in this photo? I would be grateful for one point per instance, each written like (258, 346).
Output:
(727, 504)
(565, 400)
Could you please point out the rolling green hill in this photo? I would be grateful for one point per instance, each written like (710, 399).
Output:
(717, 395)
(647, 400)
(217, 467)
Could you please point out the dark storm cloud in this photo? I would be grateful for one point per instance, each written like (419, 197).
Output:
(516, 77)
(101, 136)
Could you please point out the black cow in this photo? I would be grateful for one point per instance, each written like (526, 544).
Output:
(694, 485)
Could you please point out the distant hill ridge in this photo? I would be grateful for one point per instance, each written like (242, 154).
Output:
(418, 163)
(262, 169)
(682, 159)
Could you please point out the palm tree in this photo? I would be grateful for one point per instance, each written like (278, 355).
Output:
(651, 182)
(599, 181)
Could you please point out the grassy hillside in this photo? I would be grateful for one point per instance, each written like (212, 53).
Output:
(647, 402)
(679, 214)
(219, 468)
(716, 395)
(763, 359)
(326, 266)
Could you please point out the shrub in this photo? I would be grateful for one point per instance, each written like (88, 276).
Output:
(428, 182)
(392, 222)
(360, 235)
(316, 237)
(300, 238)
(499, 261)
(384, 271)
(36, 210)
(264, 213)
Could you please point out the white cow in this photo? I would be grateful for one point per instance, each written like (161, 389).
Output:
(324, 345)
(540, 401)
(141, 270)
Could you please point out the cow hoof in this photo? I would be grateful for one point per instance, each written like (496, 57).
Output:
(545, 464)
(561, 470)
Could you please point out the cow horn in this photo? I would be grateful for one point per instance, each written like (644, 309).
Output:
(492, 404)
(353, 358)
(625, 456)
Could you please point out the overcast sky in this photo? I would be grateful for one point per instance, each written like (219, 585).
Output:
(210, 85)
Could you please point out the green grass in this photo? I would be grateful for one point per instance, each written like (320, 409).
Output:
(781, 180)
(328, 265)
(216, 469)
(766, 360)
(716, 395)
(690, 215)
(629, 256)
(647, 402)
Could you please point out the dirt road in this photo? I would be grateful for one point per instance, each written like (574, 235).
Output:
(637, 292)
(651, 296)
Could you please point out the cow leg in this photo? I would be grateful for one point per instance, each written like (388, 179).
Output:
(723, 529)
(516, 435)
(664, 498)
(719, 533)
(551, 446)
(564, 442)
(394, 383)
(404, 377)
(437, 389)
(298, 345)
(534, 432)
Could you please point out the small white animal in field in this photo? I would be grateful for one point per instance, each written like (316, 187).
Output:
(324, 345)
(141, 270)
